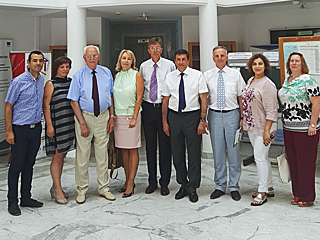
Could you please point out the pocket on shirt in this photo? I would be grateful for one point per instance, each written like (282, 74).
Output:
(231, 88)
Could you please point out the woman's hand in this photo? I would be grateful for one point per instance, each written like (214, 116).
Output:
(266, 138)
(133, 122)
(50, 131)
(312, 131)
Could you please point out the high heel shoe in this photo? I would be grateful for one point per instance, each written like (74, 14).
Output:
(129, 194)
(59, 201)
(124, 189)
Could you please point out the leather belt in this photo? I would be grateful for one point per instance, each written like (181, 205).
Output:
(221, 111)
(28, 125)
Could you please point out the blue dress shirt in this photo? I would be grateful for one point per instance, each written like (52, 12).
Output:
(26, 93)
(81, 88)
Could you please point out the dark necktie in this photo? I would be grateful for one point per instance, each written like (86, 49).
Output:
(95, 95)
(182, 98)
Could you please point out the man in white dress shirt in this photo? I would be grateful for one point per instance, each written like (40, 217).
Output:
(186, 122)
(224, 100)
(154, 72)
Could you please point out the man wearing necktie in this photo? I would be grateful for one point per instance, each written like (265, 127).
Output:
(186, 122)
(224, 100)
(91, 98)
(154, 72)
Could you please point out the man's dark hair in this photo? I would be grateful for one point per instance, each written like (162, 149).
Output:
(58, 62)
(155, 40)
(35, 52)
(180, 52)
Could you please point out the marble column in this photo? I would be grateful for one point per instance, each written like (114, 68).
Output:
(76, 34)
(208, 35)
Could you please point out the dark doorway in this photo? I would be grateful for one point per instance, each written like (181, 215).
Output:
(139, 46)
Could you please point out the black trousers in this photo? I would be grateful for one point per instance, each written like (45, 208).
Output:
(183, 130)
(153, 130)
(23, 156)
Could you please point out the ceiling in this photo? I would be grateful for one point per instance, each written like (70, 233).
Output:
(157, 12)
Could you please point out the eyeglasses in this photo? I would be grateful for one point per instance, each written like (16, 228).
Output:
(92, 56)
(155, 48)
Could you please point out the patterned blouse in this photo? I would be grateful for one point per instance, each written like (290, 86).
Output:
(259, 101)
(295, 102)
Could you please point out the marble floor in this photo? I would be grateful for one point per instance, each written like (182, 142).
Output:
(154, 216)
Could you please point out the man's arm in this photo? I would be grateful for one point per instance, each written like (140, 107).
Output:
(203, 125)
(8, 120)
(110, 125)
(165, 104)
(77, 112)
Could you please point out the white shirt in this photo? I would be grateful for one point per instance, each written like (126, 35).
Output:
(146, 69)
(194, 84)
(233, 85)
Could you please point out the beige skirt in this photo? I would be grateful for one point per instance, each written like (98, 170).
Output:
(124, 136)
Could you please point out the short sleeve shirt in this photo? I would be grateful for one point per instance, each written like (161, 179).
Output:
(296, 104)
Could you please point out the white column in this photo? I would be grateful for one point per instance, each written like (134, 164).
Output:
(76, 34)
(36, 44)
(208, 35)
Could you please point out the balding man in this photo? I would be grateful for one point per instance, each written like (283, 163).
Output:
(92, 102)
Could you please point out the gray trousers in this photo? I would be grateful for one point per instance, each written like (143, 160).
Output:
(183, 130)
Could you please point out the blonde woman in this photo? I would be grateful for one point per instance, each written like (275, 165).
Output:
(127, 95)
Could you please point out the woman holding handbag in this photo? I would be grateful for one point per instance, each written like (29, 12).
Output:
(300, 100)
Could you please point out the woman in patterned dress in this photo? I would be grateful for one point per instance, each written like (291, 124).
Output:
(59, 117)
(300, 100)
(260, 112)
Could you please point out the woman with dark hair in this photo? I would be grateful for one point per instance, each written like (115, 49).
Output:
(59, 117)
(127, 95)
(259, 100)
(300, 100)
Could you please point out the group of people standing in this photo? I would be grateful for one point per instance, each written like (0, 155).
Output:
(171, 101)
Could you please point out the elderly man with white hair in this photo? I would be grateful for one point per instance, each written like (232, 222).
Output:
(91, 98)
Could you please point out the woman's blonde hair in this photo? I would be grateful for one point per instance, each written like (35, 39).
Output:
(133, 65)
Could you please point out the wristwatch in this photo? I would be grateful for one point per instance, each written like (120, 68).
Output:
(203, 119)
(313, 125)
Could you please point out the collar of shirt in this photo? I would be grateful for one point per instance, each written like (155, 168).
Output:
(158, 63)
(186, 72)
(225, 69)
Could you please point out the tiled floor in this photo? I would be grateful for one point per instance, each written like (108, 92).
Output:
(153, 216)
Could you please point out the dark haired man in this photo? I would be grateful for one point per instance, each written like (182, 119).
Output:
(23, 111)
(181, 93)
(154, 72)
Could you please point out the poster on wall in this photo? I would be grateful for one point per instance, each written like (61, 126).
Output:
(5, 78)
(19, 62)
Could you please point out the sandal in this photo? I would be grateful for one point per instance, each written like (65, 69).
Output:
(295, 200)
(259, 200)
(304, 204)
(270, 193)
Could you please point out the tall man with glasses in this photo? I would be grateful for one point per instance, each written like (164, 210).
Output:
(187, 121)
(91, 98)
(154, 72)
(23, 111)
(224, 100)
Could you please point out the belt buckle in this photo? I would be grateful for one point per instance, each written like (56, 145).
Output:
(156, 104)
(32, 125)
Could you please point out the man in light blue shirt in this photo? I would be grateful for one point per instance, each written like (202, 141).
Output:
(23, 131)
(90, 93)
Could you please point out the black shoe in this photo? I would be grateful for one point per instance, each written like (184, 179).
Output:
(121, 190)
(181, 193)
(216, 194)
(128, 195)
(164, 190)
(151, 188)
(30, 203)
(235, 195)
(193, 197)
(14, 209)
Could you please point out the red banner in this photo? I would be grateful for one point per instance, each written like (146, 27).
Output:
(18, 63)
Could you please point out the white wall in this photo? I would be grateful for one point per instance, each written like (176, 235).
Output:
(59, 31)
(190, 30)
(20, 29)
